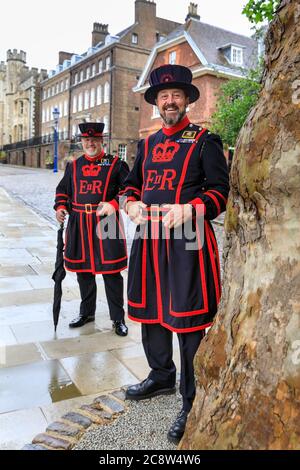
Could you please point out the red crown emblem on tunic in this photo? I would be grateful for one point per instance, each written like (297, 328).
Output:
(91, 170)
(165, 152)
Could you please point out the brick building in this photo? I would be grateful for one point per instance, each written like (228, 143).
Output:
(213, 54)
(98, 85)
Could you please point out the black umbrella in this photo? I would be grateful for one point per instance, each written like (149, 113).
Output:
(58, 275)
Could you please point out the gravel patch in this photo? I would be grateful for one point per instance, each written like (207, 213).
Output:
(144, 426)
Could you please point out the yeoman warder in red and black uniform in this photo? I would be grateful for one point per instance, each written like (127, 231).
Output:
(180, 176)
(89, 189)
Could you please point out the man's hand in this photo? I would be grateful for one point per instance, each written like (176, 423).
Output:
(61, 215)
(135, 212)
(105, 208)
(177, 215)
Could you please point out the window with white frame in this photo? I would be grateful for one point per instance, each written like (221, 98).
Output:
(47, 115)
(155, 112)
(80, 102)
(172, 57)
(61, 86)
(134, 38)
(87, 73)
(93, 70)
(107, 63)
(65, 108)
(92, 103)
(100, 66)
(57, 88)
(99, 95)
(81, 76)
(44, 94)
(49, 93)
(106, 124)
(53, 91)
(74, 104)
(86, 99)
(67, 84)
(76, 79)
(106, 92)
(122, 151)
(237, 55)
(43, 116)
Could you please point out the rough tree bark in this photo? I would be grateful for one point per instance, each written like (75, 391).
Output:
(248, 366)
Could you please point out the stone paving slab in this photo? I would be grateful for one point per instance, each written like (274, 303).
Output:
(21, 354)
(13, 284)
(20, 427)
(97, 372)
(16, 271)
(25, 386)
(7, 336)
(98, 342)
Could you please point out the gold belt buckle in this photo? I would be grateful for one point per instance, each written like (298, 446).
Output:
(88, 208)
(154, 211)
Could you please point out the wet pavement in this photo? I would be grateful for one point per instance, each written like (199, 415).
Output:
(43, 374)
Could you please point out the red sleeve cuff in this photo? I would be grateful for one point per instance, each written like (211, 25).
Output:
(61, 207)
(114, 203)
(198, 205)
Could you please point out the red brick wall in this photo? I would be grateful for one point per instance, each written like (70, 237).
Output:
(199, 112)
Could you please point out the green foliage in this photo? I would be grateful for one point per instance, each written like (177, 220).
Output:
(3, 156)
(258, 11)
(237, 97)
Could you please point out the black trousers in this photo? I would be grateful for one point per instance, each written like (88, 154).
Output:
(113, 284)
(158, 346)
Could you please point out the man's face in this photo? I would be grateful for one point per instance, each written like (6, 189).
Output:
(172, 104)
(92, 146)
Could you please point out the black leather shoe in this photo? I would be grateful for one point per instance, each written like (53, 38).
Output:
(176, 431)
(147, 389)
(120, 328)
(81, 320)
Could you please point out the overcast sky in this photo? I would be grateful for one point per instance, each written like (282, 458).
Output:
(42, 28)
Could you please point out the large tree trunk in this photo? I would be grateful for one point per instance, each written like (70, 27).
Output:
(248, 366)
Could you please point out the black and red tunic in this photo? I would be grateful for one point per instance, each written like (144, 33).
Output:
(87, 182)
(168, 283)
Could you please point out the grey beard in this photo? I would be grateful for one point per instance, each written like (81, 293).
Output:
(173, 121)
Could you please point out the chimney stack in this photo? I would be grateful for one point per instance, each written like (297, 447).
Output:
(145, 11)
(99, 33)
(193, 12)
(62, 56)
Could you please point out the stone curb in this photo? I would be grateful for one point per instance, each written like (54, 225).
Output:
(65, 433)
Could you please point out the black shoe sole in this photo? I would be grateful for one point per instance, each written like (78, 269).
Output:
(162, 391)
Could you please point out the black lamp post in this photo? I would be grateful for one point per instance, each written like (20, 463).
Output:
(55, 114)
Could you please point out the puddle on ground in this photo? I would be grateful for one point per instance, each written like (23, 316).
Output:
(36, 384)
